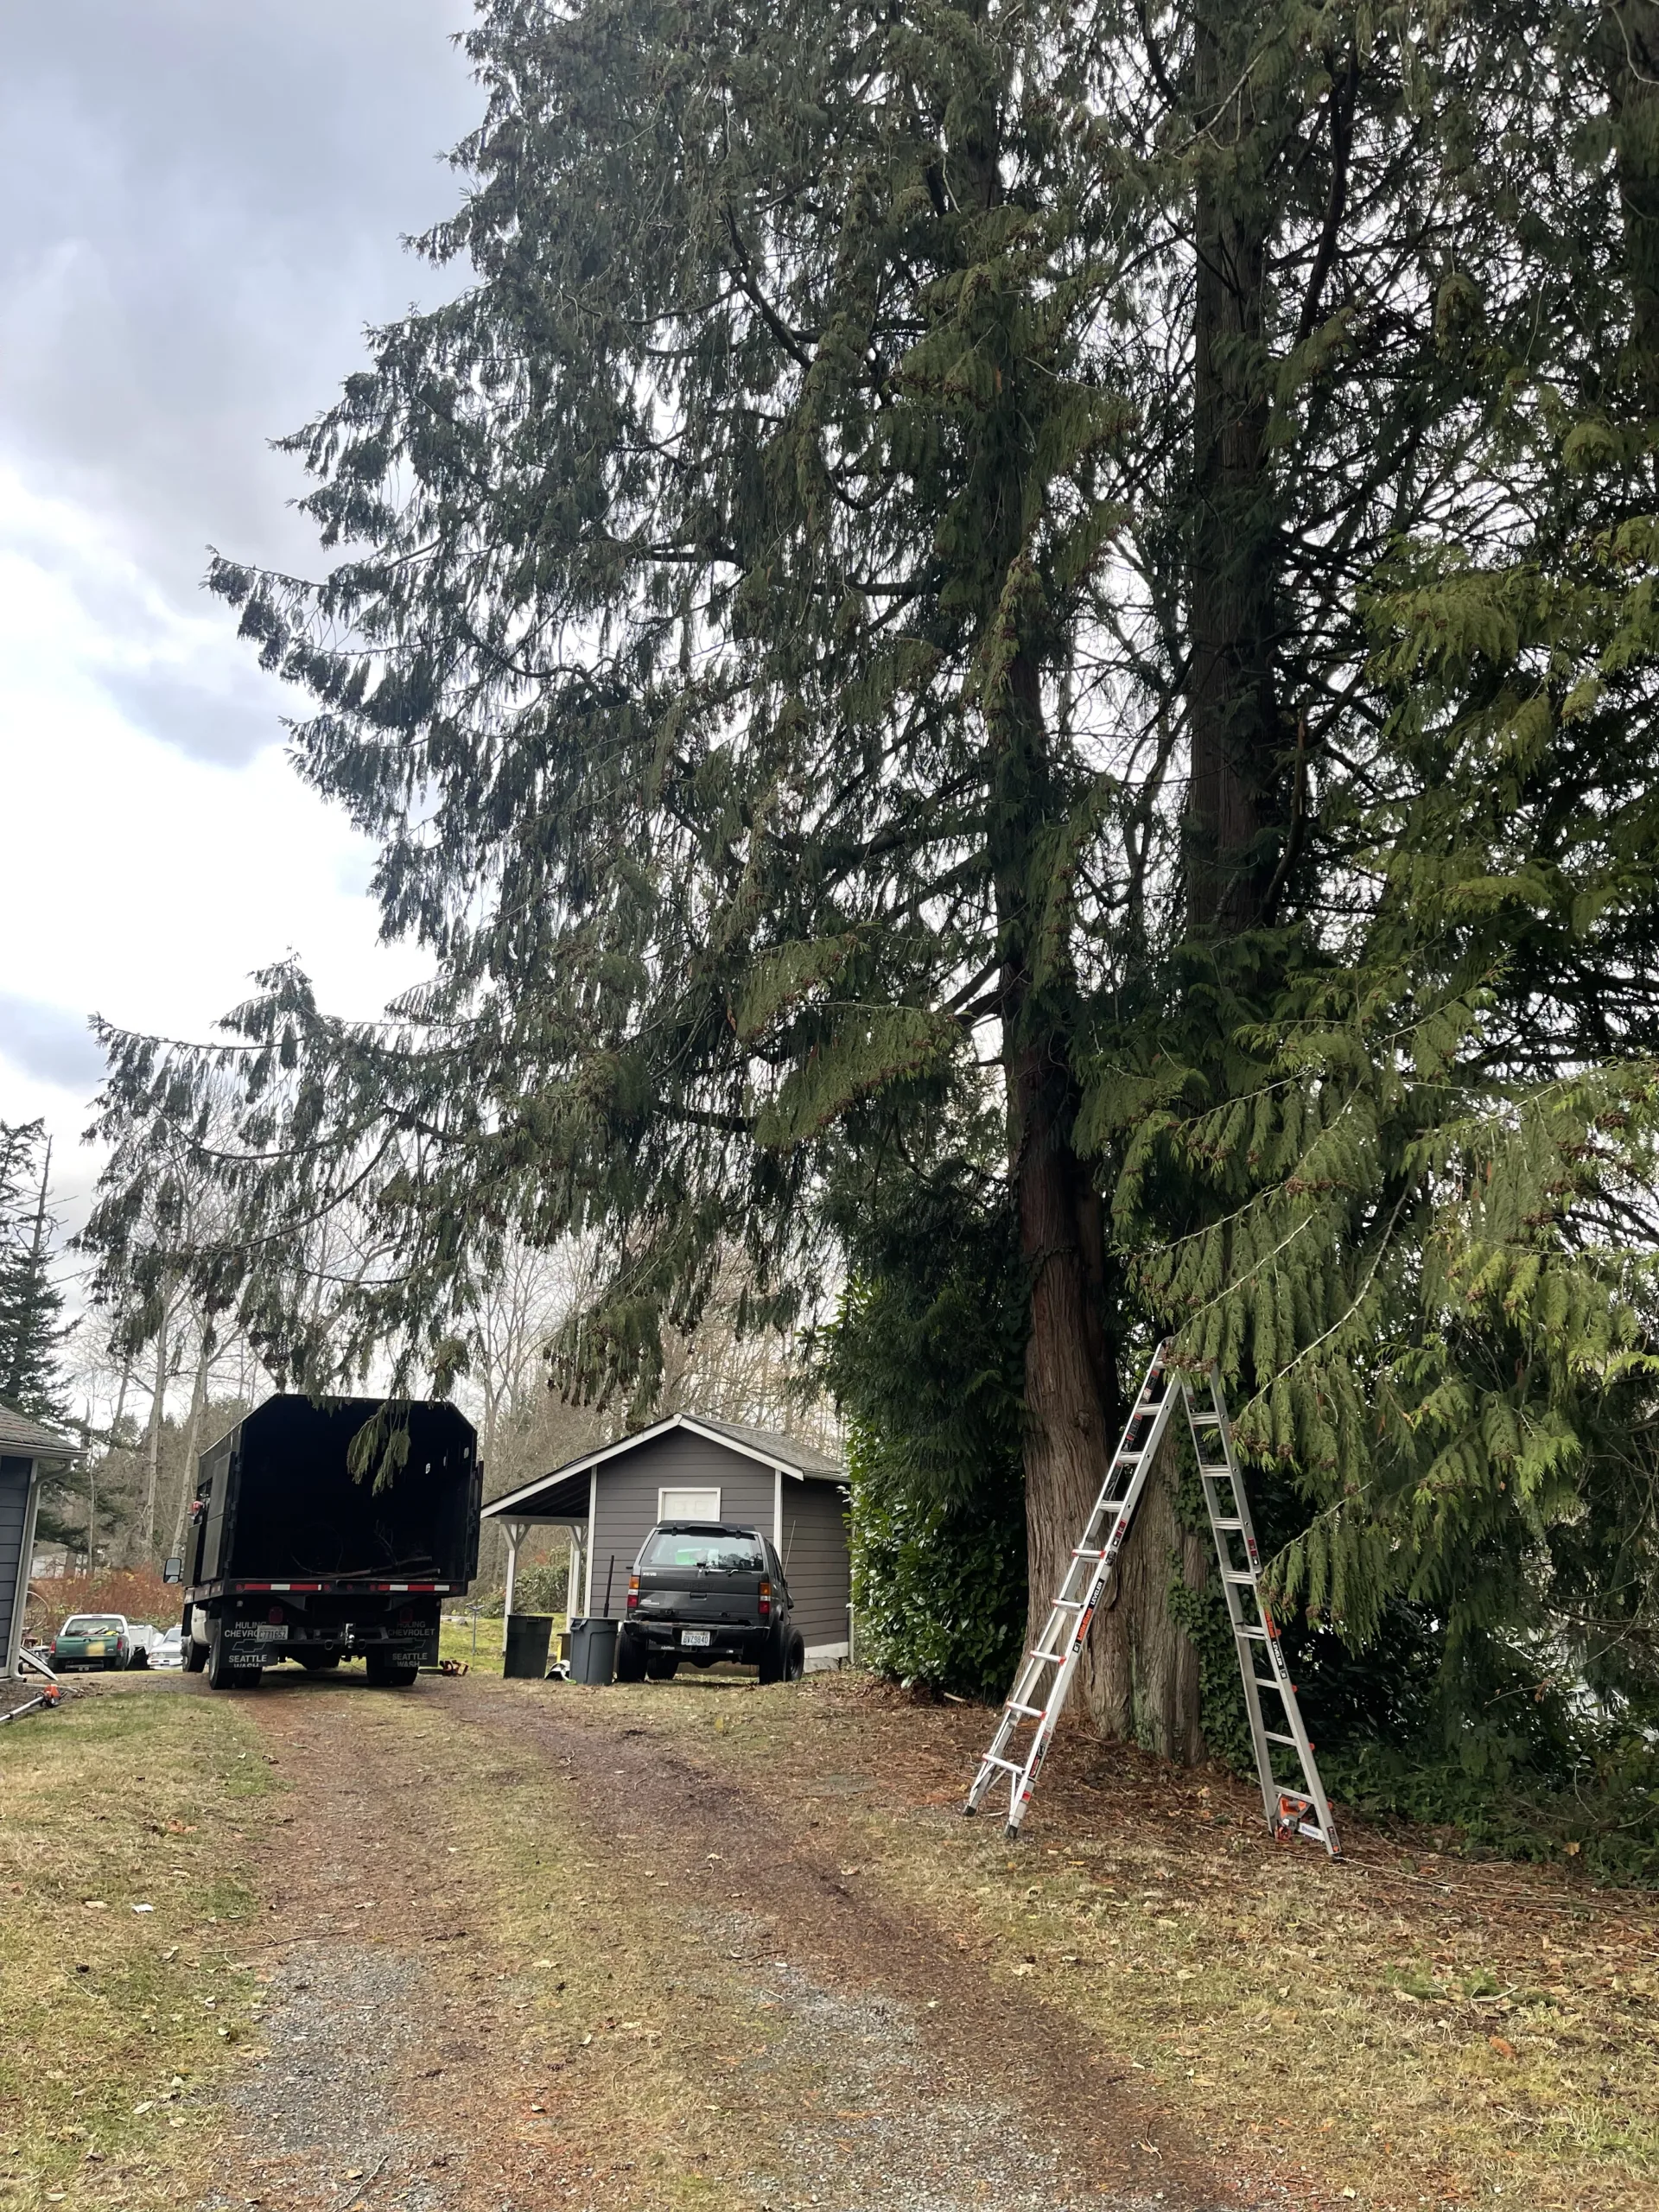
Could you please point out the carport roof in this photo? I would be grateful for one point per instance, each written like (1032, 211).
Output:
(562, 1497)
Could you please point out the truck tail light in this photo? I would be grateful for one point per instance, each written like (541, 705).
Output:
(765, 1601)
(634, 1593)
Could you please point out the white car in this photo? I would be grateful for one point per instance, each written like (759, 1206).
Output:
(169, 1650)
(143, 1636)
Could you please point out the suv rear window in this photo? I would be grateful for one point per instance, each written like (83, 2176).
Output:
(720, 1555)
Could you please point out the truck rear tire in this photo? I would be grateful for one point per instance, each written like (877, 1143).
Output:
(316, 1662)
(383, 1675)
(222, 1675)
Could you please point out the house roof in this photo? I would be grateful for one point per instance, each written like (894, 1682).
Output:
(27, 1439)
(562, 1495)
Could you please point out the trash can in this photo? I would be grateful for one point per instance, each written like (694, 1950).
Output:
(525, 1659)
(593, 1651)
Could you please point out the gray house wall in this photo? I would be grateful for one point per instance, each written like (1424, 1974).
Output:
(817, 1563)
(624, 1502)
(805, 1519)
(16, 1534)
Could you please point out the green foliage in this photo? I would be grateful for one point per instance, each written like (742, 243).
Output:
(31, 1305)
(938, 1589)
(1091, 569)
(925, 1357)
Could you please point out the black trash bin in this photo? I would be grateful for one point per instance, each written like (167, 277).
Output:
(526, 1654)
(593, 1651)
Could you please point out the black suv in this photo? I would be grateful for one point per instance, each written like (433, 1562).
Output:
(702, 1591)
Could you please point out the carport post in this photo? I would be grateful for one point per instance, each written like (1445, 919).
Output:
(516, 1533)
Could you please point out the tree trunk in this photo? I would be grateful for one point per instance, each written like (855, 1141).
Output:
(1148, 1661)
(1235, 810)
(1140, 1679)
(153, 1442)
(1138, 1676)
(1630, 45)
(192, 1434)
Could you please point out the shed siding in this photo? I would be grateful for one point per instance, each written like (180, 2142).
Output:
(625, 1501)
(817, 1563)
(16, 1476)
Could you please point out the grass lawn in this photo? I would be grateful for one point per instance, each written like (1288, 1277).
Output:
(481, 1654)
(123, 1906)
(1427, 2032)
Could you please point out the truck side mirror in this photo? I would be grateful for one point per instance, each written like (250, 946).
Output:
(173, 1569)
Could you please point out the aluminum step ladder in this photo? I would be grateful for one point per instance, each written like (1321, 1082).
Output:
(1295, 1804)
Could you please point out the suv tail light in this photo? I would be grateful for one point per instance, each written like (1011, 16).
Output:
(765, 1601)
(634, 1593)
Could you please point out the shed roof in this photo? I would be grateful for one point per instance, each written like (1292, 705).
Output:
(28, 1440)
(562, 1495)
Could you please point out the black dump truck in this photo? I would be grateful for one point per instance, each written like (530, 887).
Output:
(292, 1556)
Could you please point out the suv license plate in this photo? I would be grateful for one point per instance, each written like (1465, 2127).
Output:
(697, 1636)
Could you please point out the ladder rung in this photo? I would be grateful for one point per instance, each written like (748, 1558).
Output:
(1300, 1811)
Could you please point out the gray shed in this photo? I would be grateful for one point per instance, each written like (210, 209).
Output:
(691, 1468)
(26, 1450)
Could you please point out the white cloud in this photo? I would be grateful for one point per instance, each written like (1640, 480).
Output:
(204, 205)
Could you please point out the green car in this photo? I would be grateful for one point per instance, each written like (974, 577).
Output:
(91, 1640)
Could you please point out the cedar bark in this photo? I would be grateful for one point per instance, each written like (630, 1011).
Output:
(1141, 1678)
(1631, 46)
(1137, 1677)
(1234, 813)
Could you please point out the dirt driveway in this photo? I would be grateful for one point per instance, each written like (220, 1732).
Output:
(521, 1951)
(702, 1945)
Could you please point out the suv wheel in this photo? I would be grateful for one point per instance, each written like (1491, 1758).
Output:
(630, 1658)
(794, 1664)
(663, 1666)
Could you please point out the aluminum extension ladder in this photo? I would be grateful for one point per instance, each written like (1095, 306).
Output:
(1293, 1807)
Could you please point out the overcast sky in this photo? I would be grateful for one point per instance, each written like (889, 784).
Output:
(204, 204)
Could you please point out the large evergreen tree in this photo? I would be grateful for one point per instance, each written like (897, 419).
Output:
(930, 574)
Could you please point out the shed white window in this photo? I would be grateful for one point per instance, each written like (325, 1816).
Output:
(688, 1505)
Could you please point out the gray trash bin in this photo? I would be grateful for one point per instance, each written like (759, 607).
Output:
(593, 1651)
(525, 1659)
